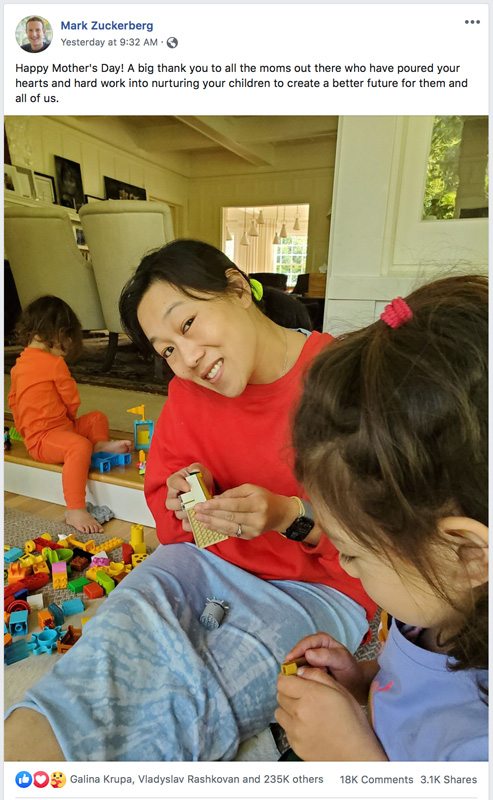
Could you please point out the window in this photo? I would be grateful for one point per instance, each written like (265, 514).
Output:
(290, 257)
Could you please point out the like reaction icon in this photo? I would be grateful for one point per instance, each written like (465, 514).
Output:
(41, 779)
(23, 779)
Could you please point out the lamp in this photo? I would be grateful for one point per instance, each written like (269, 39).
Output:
(260, 218)
(284, 232)
(276, 237)
(253, 228)
(244, 238)
(296, 226)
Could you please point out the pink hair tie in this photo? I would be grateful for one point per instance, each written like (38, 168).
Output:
(396, 313)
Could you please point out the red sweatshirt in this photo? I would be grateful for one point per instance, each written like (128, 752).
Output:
(244, 439)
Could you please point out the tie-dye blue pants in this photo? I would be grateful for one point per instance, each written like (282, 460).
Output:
(147, 682)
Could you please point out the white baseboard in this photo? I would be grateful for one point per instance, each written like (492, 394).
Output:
(127, 504)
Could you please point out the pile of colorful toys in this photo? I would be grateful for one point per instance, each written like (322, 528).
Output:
(28, 571)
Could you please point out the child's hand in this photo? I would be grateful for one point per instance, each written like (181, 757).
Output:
(177, 484)
(323, 721)
(256, 509)
(326, 653)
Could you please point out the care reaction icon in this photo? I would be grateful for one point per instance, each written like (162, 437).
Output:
(58, 780)
(41, 779)
(23, 779)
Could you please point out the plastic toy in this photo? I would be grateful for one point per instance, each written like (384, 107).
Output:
(127, 552)
(143, 429)
(12, 555)
(16, 652)
(57, 613)
(203, 536)
(77, 585)
(7, 639)
(69, 638)
(93, 590)
(79, 564)
(17, 573)
(15, 435)
(138, 558)
(59, 575)
(70, 607)
(31, 583)
(108, 546)
(213, 613)
(100, 561)
(137, 538)
(142, 462)
(291, 667)
(46, 641)
(18, 623)
(100, 513)
(46, 619)
(7, 444)
(105, 461)
(105, 581)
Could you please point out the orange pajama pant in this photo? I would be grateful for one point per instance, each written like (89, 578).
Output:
(72, 446)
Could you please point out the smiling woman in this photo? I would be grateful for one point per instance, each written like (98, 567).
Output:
(237, 377)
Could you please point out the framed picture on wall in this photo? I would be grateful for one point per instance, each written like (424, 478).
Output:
(69, 183)
(25, 182)
(117, 190)
(10, 178)
(45, 187)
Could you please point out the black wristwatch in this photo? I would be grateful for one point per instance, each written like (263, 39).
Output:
(303, 525)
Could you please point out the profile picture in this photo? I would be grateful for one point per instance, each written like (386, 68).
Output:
(34, 34)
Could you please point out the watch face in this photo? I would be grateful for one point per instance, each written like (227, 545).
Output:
(300, 529)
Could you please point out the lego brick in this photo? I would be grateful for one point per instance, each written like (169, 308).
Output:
(18, 604)
(46, 619)
(105, 581)
(13, 555)
(137, 559)
(108, 546)
(69, 638)
(106, 461)
(77, 585)
(41, 569)
(59, 567)
(127, 552)
(93, 590)
(57, 613)
(16, 652)
(7, 639)
(18, 623)
(36, 602)
(70, 607)
(83, 620)
(17, 572)
(60, 581)
(79, 564)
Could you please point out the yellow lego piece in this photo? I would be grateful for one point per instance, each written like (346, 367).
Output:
(26, 561)
(137, 558)
(59, 580)
(46, 536)
(83, 620)
(64, 543)
(115, 567)
(111, 544)
(137, 538)
(73, 542)
(6, 547)
(291, 667)
(29, 547)
(41, 568)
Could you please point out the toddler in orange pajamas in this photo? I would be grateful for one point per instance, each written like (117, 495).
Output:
(44, 401)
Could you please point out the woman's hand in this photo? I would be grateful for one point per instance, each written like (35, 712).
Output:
(323, 651)
(177, 484)
(323, 721)
(253, 508)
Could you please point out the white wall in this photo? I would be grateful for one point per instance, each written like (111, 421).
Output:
(34, 142)
(380, 247)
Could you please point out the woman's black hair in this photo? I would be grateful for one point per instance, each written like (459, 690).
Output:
(192, 266)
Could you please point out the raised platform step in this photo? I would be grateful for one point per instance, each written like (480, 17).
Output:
(122, 488)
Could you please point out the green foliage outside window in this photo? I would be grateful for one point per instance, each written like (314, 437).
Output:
(442, 177)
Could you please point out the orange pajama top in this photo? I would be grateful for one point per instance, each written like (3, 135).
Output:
(43, 395)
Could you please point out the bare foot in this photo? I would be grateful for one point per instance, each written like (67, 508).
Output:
(117, 446)
(84, 522)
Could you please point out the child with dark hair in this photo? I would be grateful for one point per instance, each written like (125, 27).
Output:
(44, 401)
(392, 445)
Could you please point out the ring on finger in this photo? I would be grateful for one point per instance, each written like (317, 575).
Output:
(238, 532)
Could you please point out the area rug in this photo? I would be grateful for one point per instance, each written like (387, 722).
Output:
(130, 370)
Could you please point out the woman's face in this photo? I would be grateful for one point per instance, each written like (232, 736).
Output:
(211, 342)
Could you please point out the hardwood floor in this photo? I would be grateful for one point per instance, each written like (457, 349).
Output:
(52, 511)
